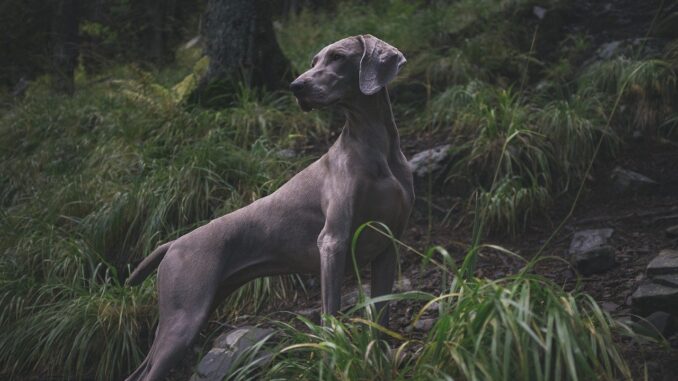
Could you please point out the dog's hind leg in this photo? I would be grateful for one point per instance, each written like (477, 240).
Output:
(185, 298)
(144, 367)
(172, 342)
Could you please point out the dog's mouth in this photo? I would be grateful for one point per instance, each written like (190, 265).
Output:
(304, 104)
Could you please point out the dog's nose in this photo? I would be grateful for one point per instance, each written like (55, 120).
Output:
(296, 86)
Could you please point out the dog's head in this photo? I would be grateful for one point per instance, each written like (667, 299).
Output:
(343, 70)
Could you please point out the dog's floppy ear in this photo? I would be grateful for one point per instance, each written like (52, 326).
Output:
(380, 63)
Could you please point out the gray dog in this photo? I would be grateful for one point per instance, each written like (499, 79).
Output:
(307, 225)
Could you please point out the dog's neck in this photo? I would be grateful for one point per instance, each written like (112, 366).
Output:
(369, 119)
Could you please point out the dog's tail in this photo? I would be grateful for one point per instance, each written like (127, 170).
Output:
(148, 265)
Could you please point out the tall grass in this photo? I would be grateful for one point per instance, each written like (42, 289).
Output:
(91, 184)
(501, 151)
(649, 88)
(521, 327)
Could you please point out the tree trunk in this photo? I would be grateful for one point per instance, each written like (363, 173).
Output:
(160, 14)
(242, 47)
(65, 23)
(90, 55)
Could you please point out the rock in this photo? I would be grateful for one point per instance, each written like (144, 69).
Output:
(595, 260)
(350, 299)
(630, 181)
(217, 363)
(658, 322)
(585, 240)
(539, 12)
(672, 232)
(662, 322)
(590, 252)
(669, 280)
(626, 47)
(665, 263)
(609, 49)
(312, 314)
(429, 161)
(424, 325)
(403, 284)
(651, 297)
(609, 307)
(287, 153)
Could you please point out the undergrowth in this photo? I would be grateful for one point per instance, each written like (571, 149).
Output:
(91, 184)
(521, 327)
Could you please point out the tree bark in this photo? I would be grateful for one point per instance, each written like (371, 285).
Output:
(161, 14)
(65, 28)
(242, 48)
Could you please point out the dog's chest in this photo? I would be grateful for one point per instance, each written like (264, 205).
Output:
(386, 202)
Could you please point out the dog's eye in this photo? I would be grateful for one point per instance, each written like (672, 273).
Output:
(336, 56)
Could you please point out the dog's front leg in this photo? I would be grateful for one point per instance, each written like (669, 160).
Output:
(383, 276)
(333, 244)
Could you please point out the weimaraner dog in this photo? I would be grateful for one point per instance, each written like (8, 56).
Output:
(307, 225)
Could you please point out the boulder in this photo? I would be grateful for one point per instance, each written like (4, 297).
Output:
(672, 232)
(590, 251)
(228, 347)
(585, 240)
(662, 322)
(665, 263)
(630, 181)
(430, 160)
(594, 261)
(658, 322)
(669, 280)
(651, 297)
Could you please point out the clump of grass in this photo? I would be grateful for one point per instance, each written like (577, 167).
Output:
(501, 151)
(574, 125)
(521, 327)
(67, 312)
(509, 205)
(339, 350)
(647, 90)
